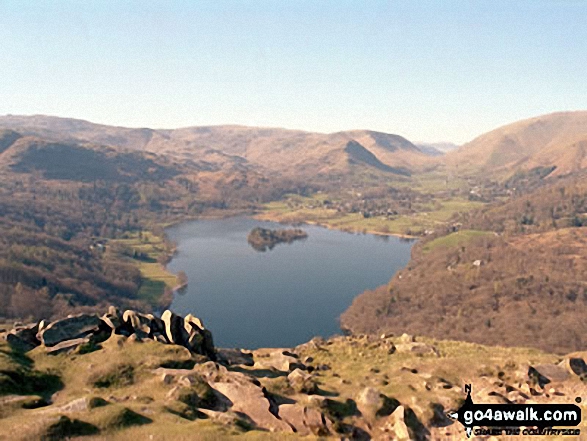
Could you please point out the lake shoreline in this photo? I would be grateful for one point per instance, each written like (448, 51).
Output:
(296, 293)
(272, 218)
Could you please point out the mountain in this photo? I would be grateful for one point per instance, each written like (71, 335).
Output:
(287, 152)
(557, 140)
(436, 148)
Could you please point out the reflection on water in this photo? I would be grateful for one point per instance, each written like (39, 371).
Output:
(283, 297)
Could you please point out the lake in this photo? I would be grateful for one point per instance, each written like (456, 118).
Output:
(281, 297)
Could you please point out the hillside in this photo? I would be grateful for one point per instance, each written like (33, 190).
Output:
(134, 376)
(287, 152)
(76, 221)
(507, 274)
(558, 139)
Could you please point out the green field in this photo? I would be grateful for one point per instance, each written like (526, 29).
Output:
(295, 209)
(155, 277)
(454, 239)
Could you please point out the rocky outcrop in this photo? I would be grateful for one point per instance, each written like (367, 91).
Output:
(76, 331)
(24, 336)
(70, 328)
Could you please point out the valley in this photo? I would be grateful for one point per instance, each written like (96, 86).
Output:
(92, 216)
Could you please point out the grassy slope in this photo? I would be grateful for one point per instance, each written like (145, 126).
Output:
(355, 363)
(155, 278)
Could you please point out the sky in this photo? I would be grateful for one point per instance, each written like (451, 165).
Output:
(428, 70)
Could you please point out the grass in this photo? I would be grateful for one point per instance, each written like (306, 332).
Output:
(456, 239)
(302, 209)
(140, 409)
(155, 277)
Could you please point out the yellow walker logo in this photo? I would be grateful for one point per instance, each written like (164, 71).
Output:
(508, 419)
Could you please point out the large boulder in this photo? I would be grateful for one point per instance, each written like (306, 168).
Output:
(174, 328)
(67, 346)
(198, 339)
(416, 348)
(544, 374)
(577, 366)
(24, 337)
(305, 420)
(372, 403)
(404, 423)
(139, 323)
(70, 328)
(113, 321)
(249, 398)
(281, 360)
(302, 382)
(234, 357)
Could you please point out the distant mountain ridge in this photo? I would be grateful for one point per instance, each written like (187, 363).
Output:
(288, 152)
(437, 148)
(557, 139)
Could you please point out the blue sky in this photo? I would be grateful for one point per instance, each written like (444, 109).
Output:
(427, 70)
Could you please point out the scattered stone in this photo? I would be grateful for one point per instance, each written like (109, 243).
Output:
(79, 405)
(24, 337)
(249, 399)
(406, 426)
(235, 357)
(372, 403)
(306, 421)
(406, 338)
(229, 418)
(576, 366)
(416, 348)
(193, 391)
(67, 346)
(546, 373)
(281, 360)
(302, 382)
(74, 327)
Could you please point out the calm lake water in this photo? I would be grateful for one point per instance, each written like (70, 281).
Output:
(282, 297)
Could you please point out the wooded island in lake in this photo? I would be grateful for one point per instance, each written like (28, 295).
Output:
(262, 239)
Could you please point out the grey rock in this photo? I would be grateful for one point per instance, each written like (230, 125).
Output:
(249, 398)
(140, 323)
(406, 338)
(24, 337)
(372, 403)
(302, 382)
(577, 366)
(546, 373)
(67, 346)
(74, 327)
(416, 348)
(234, 357)
(112, 321)
(280, 360)
(306, 421)
(174, 328)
